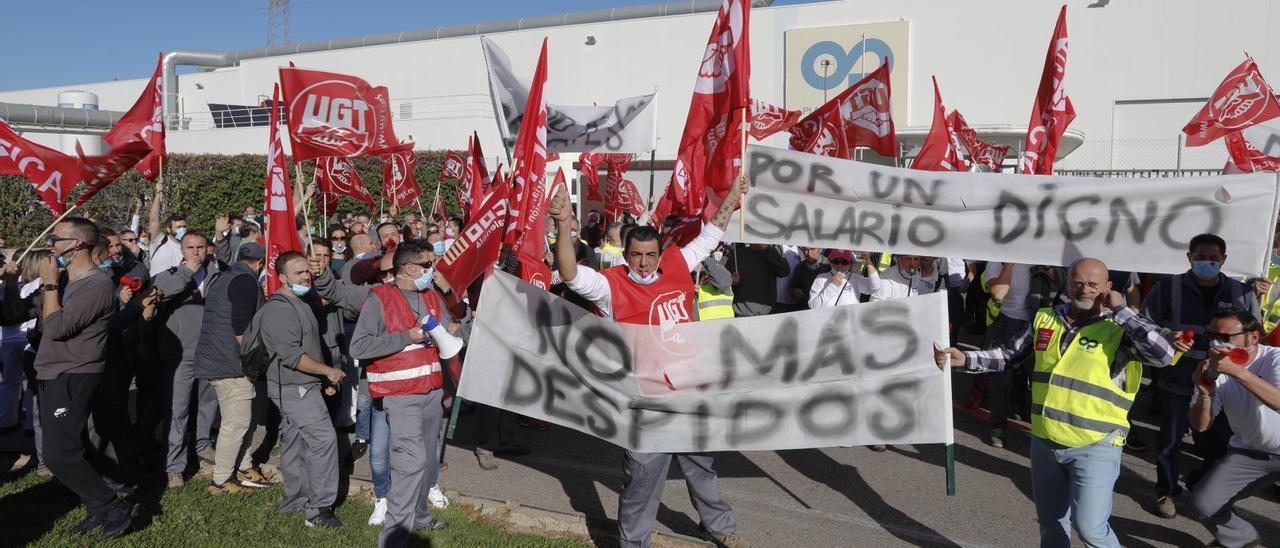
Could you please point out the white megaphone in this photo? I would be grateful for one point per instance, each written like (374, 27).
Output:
(448, 344)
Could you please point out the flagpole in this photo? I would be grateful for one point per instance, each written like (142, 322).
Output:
(862, 59)
(306, 205)
(324, 224)
(418, 200)
(46, 231)
(742, 198)
(436, 202)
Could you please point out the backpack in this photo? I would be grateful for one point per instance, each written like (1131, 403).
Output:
(255, 357)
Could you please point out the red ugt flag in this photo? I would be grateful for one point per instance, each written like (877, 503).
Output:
(336, 175)
(530, 175)
(1052, 111)
(980, 152)
(144, 121)
(588, 167)
(281, 235)
(941, 149)
(399, 186)
(335, 115)
(858, 116)
(532, 268)
(475, 178)
(767, 119)
(453, 165)
(1246, 156)
(710, 151)
(1242, 99)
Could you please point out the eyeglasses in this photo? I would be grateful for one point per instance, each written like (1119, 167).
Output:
(1222, 337)
(130, 240)
(55, 239)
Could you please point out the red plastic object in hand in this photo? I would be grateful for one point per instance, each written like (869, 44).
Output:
(1187, 337)
(1238, 356)
(131, 282)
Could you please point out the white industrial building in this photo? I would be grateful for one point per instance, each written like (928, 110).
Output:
(1136, 72)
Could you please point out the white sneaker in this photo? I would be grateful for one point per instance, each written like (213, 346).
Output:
(379, 512)
(437, 498)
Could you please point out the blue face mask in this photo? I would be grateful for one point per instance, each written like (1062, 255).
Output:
(573, 234)
(299, 290)
(106, 265)
(180, 232)
(423, 282)
(438, 247)
(1206, 269)
(1275, 257)
(340, 249)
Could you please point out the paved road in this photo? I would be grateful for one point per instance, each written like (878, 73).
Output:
(842, 496)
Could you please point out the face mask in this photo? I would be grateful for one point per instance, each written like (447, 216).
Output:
(424, 281)
(64, 261)
(573, 234)
(299, 290)
(340, 249)
(1275, 257)
(180, 232)
(449, 232)
(311, 231)
(1205, 269)
(718, 255)
(911, 271)
(438, 247)
(812, 266)
(360, 255)
(643, 280)
(105, 266)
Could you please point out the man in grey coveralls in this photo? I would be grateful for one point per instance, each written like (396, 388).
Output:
(298, 372)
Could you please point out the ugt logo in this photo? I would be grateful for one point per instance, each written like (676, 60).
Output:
(1088, 344)
(845, 72)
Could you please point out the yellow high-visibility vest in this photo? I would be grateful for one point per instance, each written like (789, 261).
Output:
(711, 303)
(1074, 400)
(1271, 301)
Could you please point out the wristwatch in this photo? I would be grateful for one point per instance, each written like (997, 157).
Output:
(49, 287)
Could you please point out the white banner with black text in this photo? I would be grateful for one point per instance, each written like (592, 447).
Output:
(860, 374)
(1131, 224)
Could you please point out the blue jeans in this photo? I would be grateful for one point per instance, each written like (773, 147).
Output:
(379, 450)
(1173, 425)
(1073, 486)
(364, 410)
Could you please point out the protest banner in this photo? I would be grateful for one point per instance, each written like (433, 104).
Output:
(630, 125)
(1139, 225)
(856, 375)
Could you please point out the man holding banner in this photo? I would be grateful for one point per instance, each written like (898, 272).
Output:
(1088, 367)
(653, 287)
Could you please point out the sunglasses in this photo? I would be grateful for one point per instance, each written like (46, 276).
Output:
(1222, 337)
(55, 239)
(840, 261)
(130, 240)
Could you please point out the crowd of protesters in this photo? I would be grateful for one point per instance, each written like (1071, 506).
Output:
(123, 355)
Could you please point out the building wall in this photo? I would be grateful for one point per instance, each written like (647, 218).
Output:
(1135, 71)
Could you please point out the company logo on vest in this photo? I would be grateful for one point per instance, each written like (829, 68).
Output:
(666, 312)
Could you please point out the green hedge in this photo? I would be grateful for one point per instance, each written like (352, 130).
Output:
(200, 186)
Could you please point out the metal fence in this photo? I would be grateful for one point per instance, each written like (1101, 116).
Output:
(1155, 156)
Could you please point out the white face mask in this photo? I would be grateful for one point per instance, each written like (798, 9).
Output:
(717, 255)
(643, 280)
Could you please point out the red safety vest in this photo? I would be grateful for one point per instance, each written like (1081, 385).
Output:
(665, 302)
(414, 370)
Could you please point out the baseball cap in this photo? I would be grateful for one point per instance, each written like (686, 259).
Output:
(252, 251)
(837, 254)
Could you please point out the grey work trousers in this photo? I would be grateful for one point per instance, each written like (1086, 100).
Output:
(646, 473)
(1236, 476)
(309, 449)
(415, 431)
(183, 383)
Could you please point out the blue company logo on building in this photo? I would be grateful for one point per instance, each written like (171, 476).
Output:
(846, 70)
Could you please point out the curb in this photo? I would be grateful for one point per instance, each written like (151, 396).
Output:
(542, 520)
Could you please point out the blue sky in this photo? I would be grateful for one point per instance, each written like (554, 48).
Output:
(77, 41)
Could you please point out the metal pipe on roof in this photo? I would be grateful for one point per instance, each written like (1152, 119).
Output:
(16, 114)
(216, 59)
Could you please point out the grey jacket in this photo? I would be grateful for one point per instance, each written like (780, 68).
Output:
(183, 306)
(289, 330)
